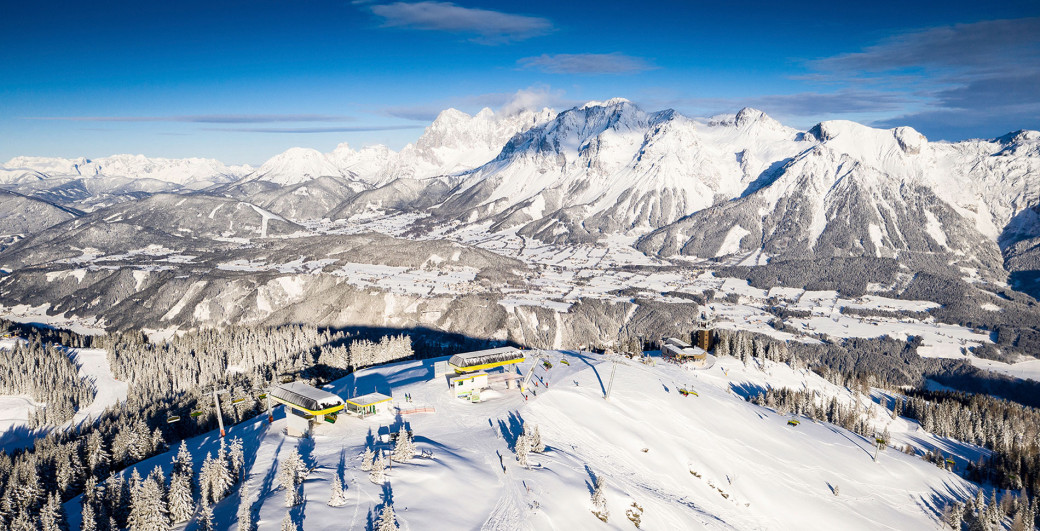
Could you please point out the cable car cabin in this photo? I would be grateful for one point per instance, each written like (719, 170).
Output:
(369, 404)
(485, 359)
(305, 406)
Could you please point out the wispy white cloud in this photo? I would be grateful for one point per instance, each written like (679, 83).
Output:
(796, 105)
(982, 47)
(205, 118)
(486, 26)
(964, 77)
(587, 63)
(308, 130)
(532, 98)
(536, 98)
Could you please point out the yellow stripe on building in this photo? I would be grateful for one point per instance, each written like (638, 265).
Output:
(472, 368)
(325, 411)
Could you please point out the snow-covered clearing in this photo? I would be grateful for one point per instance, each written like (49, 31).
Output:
(37, 315)
(710, 461)
(1026, 370)
(14, 418)
(94, 367)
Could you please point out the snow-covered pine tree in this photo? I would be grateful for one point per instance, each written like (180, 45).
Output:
(953, 515)
(157, 442)
(69, 473)
(245, 511)
(378, 473)
(181, 500)
(23, 521)
(214, 478)
(117, 498)
(994, 512)
(205, 517)
(149, 511)
(337, 498)
(88, 518)
(366, 459)
(237, 458)
(182, 462)
(290, 476)
(403, 449)
(27, 486)
(537, 446)
(523, 448)
(387, 519)
(52, 515)
(599, 501)
(288, 524)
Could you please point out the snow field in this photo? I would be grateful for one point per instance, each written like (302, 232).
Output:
(712, 461)
(93, 366)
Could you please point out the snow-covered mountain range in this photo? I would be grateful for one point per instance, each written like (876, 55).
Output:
(739, 189)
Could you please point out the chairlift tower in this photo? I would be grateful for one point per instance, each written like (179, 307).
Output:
(217, 391)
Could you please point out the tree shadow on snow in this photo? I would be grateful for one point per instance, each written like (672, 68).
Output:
(511, 429)
(935, 503)
(341, 468)
(268, 482)
(306, 449)
(591, 483)
(746, 390)
(370, 383)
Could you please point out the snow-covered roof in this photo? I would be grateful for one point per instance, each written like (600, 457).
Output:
(484, 357)
(368, 400)
(688, 352)
(675, 342)
(304, 396)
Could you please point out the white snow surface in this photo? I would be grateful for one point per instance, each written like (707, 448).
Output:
(177, 171)
(711, 461)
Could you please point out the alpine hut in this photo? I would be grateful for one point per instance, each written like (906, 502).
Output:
(369, 404)
(485, 359)
(304, 405)
(681, 351)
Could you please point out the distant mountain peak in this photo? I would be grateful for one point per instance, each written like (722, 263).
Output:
(612, 102)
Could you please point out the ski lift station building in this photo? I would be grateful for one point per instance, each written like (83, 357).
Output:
(485, 359)
(305, 405)
(465, 385)
(369, 404)
(678, 350)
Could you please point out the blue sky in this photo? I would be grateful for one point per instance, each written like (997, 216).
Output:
(243, 80)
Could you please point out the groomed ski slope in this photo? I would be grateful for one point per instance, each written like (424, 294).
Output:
(711, 461)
